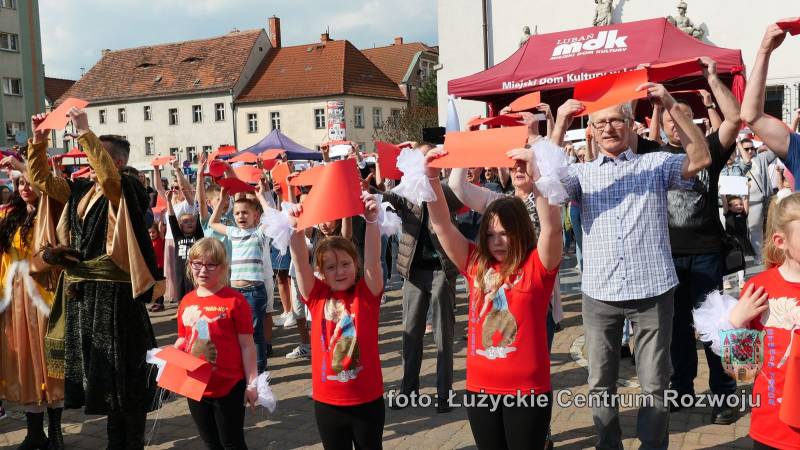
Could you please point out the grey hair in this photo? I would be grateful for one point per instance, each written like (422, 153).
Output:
(626, 108)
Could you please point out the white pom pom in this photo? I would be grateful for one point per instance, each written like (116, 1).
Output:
(278, 226)
(712, 317)
(265, 396)
(152, 358)
(551, 162)
(414, 185)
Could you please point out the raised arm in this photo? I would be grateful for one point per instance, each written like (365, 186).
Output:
(548, 114)
(796, 120)
(475, 197)
(655, 125)
(373, 272)
(213, 221)
(201, 188)
(183, 183)
(38, 170)
(772, 131)
(729, 127)
(566, 113)
(453, 242)
(697, 155)
(299, 250)
(100, 160)
(711, 108)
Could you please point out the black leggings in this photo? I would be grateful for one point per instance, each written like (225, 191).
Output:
(515, 427)
(759, 446)
(220, 421)
(341, 427)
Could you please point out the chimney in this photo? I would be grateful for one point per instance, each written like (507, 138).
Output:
(398, 40)
(275, 31)
(104, 52)
(324, 37)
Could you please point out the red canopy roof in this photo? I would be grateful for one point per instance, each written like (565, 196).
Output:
(560, 60)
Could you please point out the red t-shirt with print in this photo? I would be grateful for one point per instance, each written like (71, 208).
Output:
(345, 364)
(784, 312)
(507, 337)
(211, 326)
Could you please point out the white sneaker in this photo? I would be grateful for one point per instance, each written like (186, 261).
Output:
(301, 351)
(279, 320)
(290, 320)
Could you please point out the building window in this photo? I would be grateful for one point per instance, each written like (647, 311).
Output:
(773, 100)
(319, 118)
(10, 4)
(12, 128)
(9, 42)
(173, 151)
(122, 116)
(12, 86)
(197, 113)
(102, 115)
(148, 113)
(219, 112)
(275, 120)
(377, 117)
(149, 146)
(191, 154)
(207, 149)
(173, 116)
(252, 123)
(358, 116)
(395, 113)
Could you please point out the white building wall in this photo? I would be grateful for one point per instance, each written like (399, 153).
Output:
(297, 120)
(729, 23)
(13, 106)
(185, 134)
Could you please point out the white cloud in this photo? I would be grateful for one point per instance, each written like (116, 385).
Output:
(73, 33)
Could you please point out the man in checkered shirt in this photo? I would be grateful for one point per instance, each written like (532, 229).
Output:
(628, 270)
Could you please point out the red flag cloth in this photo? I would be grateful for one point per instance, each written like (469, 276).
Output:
(482, 148)
(235, 185)
(739, 84)
(610, 90)
(792, 25)
(387, 160)
(58, 119)
(184, 374)
(526, 102)
(658, 73)
(336, 195)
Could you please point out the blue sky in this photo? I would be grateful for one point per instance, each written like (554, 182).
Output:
(73, 33)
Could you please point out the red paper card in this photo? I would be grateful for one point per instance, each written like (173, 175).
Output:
(483, 148)
(474, 123)
(527, 102)
(217, 168)
(308, 177)
(503, 120)
(184, 374)
(610, 90)
(792, 25)
(245, 158)
(387, 160)
(271, 154)
(161, 205)
(235, 185)
(58, 119)
(336, 195)
(658, 73)
(248, 174)
(279, 174)
(163, 160)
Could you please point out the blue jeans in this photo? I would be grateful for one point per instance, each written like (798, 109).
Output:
(697, 276)
(256, 297)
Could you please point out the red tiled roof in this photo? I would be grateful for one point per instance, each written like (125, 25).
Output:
(198, 66)
(393, 60)
(316, 70)
(54, 88)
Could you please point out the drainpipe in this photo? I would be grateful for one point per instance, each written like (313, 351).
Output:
(484, 10)
(233, 114)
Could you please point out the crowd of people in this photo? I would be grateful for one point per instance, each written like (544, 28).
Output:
(80, 268)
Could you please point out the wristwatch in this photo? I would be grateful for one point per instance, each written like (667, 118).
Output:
(713, 105)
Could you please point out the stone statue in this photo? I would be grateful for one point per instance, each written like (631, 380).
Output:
(602, 12)
(526, 34)
(685, 23)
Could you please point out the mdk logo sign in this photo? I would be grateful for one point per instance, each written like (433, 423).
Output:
(589, 44)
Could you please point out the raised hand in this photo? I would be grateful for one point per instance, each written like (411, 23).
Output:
(544, 108)
(752, 303)
(657, 94)
(432, 172)
(12, 163)
(525, 154)
(79, 119)
(772, 39)
(709, 66)
(38, 136)
(370, 207)
(570, 108)
(708, 100)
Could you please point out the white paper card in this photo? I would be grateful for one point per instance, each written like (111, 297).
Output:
(733, 185)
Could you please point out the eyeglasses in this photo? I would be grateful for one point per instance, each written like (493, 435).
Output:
(198, 266)
(615, 123)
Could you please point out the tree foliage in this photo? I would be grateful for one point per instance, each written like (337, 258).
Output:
(408, 124)
(426, 96)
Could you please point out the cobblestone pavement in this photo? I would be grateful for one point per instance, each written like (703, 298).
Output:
(292, 425)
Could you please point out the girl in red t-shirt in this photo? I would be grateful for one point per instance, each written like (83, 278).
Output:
(770, 303)
(347, 383)
(511, 278)
(214, 324)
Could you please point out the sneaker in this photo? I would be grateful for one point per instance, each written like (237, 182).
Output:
(383, 299)
(301, 351)
(279, 320)
(156, 307)
(290, 321)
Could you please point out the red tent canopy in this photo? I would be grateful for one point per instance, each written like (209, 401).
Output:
(555, 62)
